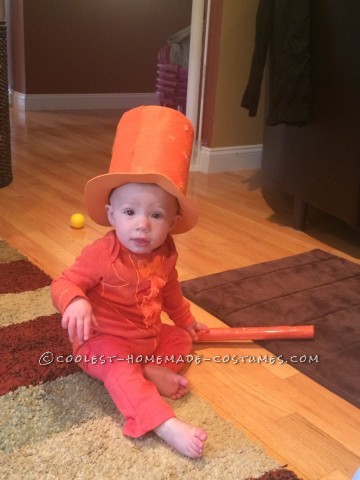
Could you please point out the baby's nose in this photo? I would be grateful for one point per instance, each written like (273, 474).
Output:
(143, 224)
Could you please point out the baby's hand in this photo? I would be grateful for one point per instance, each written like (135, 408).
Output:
(78, 319)
(196, 327)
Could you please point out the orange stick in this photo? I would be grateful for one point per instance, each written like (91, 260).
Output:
(256, 333)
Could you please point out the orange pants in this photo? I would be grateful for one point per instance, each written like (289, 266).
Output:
(119, 365)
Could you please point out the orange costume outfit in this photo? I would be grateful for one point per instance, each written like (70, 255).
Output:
(127, 293)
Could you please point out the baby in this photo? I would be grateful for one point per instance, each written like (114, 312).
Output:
(111, 299)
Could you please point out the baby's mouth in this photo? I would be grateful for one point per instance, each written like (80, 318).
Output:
(141, 241)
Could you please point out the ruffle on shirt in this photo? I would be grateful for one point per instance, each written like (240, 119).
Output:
(151, 304)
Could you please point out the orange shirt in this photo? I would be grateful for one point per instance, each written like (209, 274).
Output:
(127, 291)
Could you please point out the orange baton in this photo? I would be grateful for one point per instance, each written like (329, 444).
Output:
(256, 333)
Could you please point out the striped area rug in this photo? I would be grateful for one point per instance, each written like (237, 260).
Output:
(57, 423)
(32, 325)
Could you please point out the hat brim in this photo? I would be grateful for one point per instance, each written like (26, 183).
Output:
(98, 189)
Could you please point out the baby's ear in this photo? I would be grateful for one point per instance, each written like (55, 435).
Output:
(175, 221)
(110, 214)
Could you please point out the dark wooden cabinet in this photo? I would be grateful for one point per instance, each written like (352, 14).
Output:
(319, 163)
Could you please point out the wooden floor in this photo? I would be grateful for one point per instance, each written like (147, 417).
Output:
(298, 422)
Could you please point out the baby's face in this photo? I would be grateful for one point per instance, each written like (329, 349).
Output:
(143, 215)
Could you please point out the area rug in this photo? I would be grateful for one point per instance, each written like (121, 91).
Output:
(57, 423)
(311, 288)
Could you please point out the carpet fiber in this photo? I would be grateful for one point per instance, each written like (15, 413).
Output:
(57, 423)
(311, 288)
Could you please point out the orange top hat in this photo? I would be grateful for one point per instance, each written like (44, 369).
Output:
(153, 144)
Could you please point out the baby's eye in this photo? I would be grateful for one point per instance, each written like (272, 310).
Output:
(157, 215)
(129, 212)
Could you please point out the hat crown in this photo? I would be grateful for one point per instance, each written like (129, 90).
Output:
(156, 140)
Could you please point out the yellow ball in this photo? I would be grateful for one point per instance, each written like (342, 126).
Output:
(77, 220)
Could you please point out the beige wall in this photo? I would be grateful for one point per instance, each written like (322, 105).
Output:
(232, 126)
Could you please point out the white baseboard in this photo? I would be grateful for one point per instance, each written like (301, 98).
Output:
(76, 101)
(226, 159)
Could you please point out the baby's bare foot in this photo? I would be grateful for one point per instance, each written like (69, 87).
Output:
(168, 383)
(185, 438)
